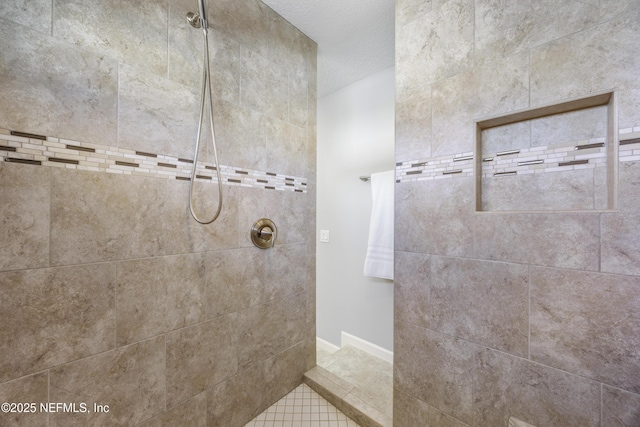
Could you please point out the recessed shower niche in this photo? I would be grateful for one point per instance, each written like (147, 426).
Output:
(561, 157)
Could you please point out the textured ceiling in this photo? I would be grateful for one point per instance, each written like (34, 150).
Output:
(355, 37)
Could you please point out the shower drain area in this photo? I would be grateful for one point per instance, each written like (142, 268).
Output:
(561, 157)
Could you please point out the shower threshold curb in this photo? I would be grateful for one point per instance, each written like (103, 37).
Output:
(339, 393)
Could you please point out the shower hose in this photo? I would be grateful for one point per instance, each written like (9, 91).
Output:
(204, 95)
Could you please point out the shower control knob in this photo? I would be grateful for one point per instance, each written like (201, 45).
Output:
(264, 233)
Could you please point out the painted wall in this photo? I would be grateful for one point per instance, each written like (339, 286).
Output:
(532, 314)
(109, 292)
(355, 138)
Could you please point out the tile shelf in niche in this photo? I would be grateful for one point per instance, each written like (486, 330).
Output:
(556, 158)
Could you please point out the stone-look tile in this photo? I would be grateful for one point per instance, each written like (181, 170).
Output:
(485, 91)
(285, 271)
(513, 136)
(556, 240)
(435, 368)
(502, 29)
(62, 91)
(158, 295)
(238, 400)
(554, 191)
(604, 57)
(184, 234)
(299, 101)
(35, 13)
(116, 29)
(246, 21)
(411, 287)
(408, 10)
(157, 115)
(559, 129)
(198, 357)
(620, 234)
(53, 316)
(480, 301)
(267, 329)
(32, 390)
(234, 280)
(612, 8)
(439, 43)
(507, 386)
(186, 54)
(283, 372)
(413, 117)
(238, 137)
(264, 86)
(192, 413)
(131, 380)
(102, 217)
(24, 227)
(586, 323)
(435, 216)
(411, 412)
(286, 147)
(620, 243)
(287, 46)
(619, 408)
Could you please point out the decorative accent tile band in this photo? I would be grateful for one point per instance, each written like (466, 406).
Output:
(570, 156)
(39, 150)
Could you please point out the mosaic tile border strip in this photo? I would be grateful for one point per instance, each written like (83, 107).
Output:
(41, 150)
(585, 154)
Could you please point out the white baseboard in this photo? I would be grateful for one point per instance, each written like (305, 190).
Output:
(326, 345)
(373, 349)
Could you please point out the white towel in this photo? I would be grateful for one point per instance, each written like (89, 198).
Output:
(379, 259)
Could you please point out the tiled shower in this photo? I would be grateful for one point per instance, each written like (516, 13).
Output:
(505, 305)
(517, 291)
(110, 293)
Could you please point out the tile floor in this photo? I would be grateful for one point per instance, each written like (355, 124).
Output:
(302, 407)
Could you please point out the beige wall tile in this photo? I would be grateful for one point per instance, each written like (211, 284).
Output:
(246, 21)
(439, 43)
(582, 323)
(408, 10)
(24, 227)
(442, 226)
(131, 32)
(98, 217)
(234, 280)
(484, 91)
(131, 380)
(556, 240)
(198, 357)
(36, 12)
(54, 316)
(480, 301)
(192, 413)
(411, 287)
(28, 390)
(598, 60)
(157, 115)
(619, 408)
(157, 295)
(435, 368)
(62, 91)
(507, 386)
(502, 29)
